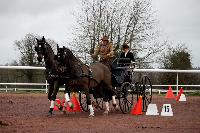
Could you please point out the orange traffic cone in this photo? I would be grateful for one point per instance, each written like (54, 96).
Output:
(63, 104)
(58, 104)
(170, 93)
(179, 94)
(55, 108)
(70, 109)
(137, 110)
(58, 101)
(77, 106)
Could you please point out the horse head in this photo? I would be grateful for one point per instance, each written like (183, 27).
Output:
(40, 48)
(65, 56)
(68, 62)
(61, 54)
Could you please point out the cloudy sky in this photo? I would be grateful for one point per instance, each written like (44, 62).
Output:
(179, 21)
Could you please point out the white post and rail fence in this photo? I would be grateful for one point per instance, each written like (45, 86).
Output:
(177, 85)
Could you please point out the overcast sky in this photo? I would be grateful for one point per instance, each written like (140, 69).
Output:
(179, 21)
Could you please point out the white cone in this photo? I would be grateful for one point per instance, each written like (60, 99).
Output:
(152, 110)
(166, 110)
(182, 97)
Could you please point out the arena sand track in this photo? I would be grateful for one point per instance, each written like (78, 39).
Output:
(25, 113)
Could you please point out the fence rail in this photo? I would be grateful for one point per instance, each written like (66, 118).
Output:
(135, 70)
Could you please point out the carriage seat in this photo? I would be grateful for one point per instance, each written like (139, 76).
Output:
(119, 71)
(117, 77)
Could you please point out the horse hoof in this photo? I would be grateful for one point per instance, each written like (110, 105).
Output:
(64, 112)
(91, 116)
(49, 114)
(60, 108)
(105, 113)
(116, 107)
(94, 104)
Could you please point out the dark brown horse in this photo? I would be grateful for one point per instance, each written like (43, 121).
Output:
(54, 79)
(83, 77)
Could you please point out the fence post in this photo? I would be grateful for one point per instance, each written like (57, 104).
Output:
(177, 84)
(46, 87)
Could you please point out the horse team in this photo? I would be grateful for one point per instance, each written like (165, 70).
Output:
(65, 69)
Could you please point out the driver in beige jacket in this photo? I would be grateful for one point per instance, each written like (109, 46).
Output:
(105, 51)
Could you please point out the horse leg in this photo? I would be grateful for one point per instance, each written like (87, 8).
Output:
(89, 103)
(103, 91)
(53, 97)
(92, 98)
(94, 103)
(67, 98)
(115, 103)
(113, 93)
(107, 106)
(116, 107)
(105, 98)
(50, 90)
(114, 99)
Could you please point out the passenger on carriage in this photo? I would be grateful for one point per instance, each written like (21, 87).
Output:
(126, 56)
(105, 51)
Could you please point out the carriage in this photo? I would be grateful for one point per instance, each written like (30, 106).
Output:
(127, 89)
(65, 68)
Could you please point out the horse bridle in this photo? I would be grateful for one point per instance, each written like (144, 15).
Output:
(40, 48)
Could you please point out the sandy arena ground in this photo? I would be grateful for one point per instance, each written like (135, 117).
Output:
(27, 113)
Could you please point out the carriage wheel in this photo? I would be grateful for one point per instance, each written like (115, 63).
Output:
(126, 97)
(83, 101)
(100, 103)
(146, 92)
(137, 90)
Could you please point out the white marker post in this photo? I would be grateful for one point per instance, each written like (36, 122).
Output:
(167, 110)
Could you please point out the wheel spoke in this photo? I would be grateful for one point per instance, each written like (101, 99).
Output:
(100, 103)
(144, 105)
(83, 101)
(147, 99)
(126, 97)
(146, 92)
(122, 104)
(130, 102)
(127, 105)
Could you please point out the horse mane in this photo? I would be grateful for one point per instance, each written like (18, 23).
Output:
(71, 55)
(49, 57)
(73, 63)
(49, 49)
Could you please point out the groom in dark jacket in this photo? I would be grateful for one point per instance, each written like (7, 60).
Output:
(126, 61)
(127, 55)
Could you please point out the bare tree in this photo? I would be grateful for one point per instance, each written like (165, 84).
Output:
(131, 21)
